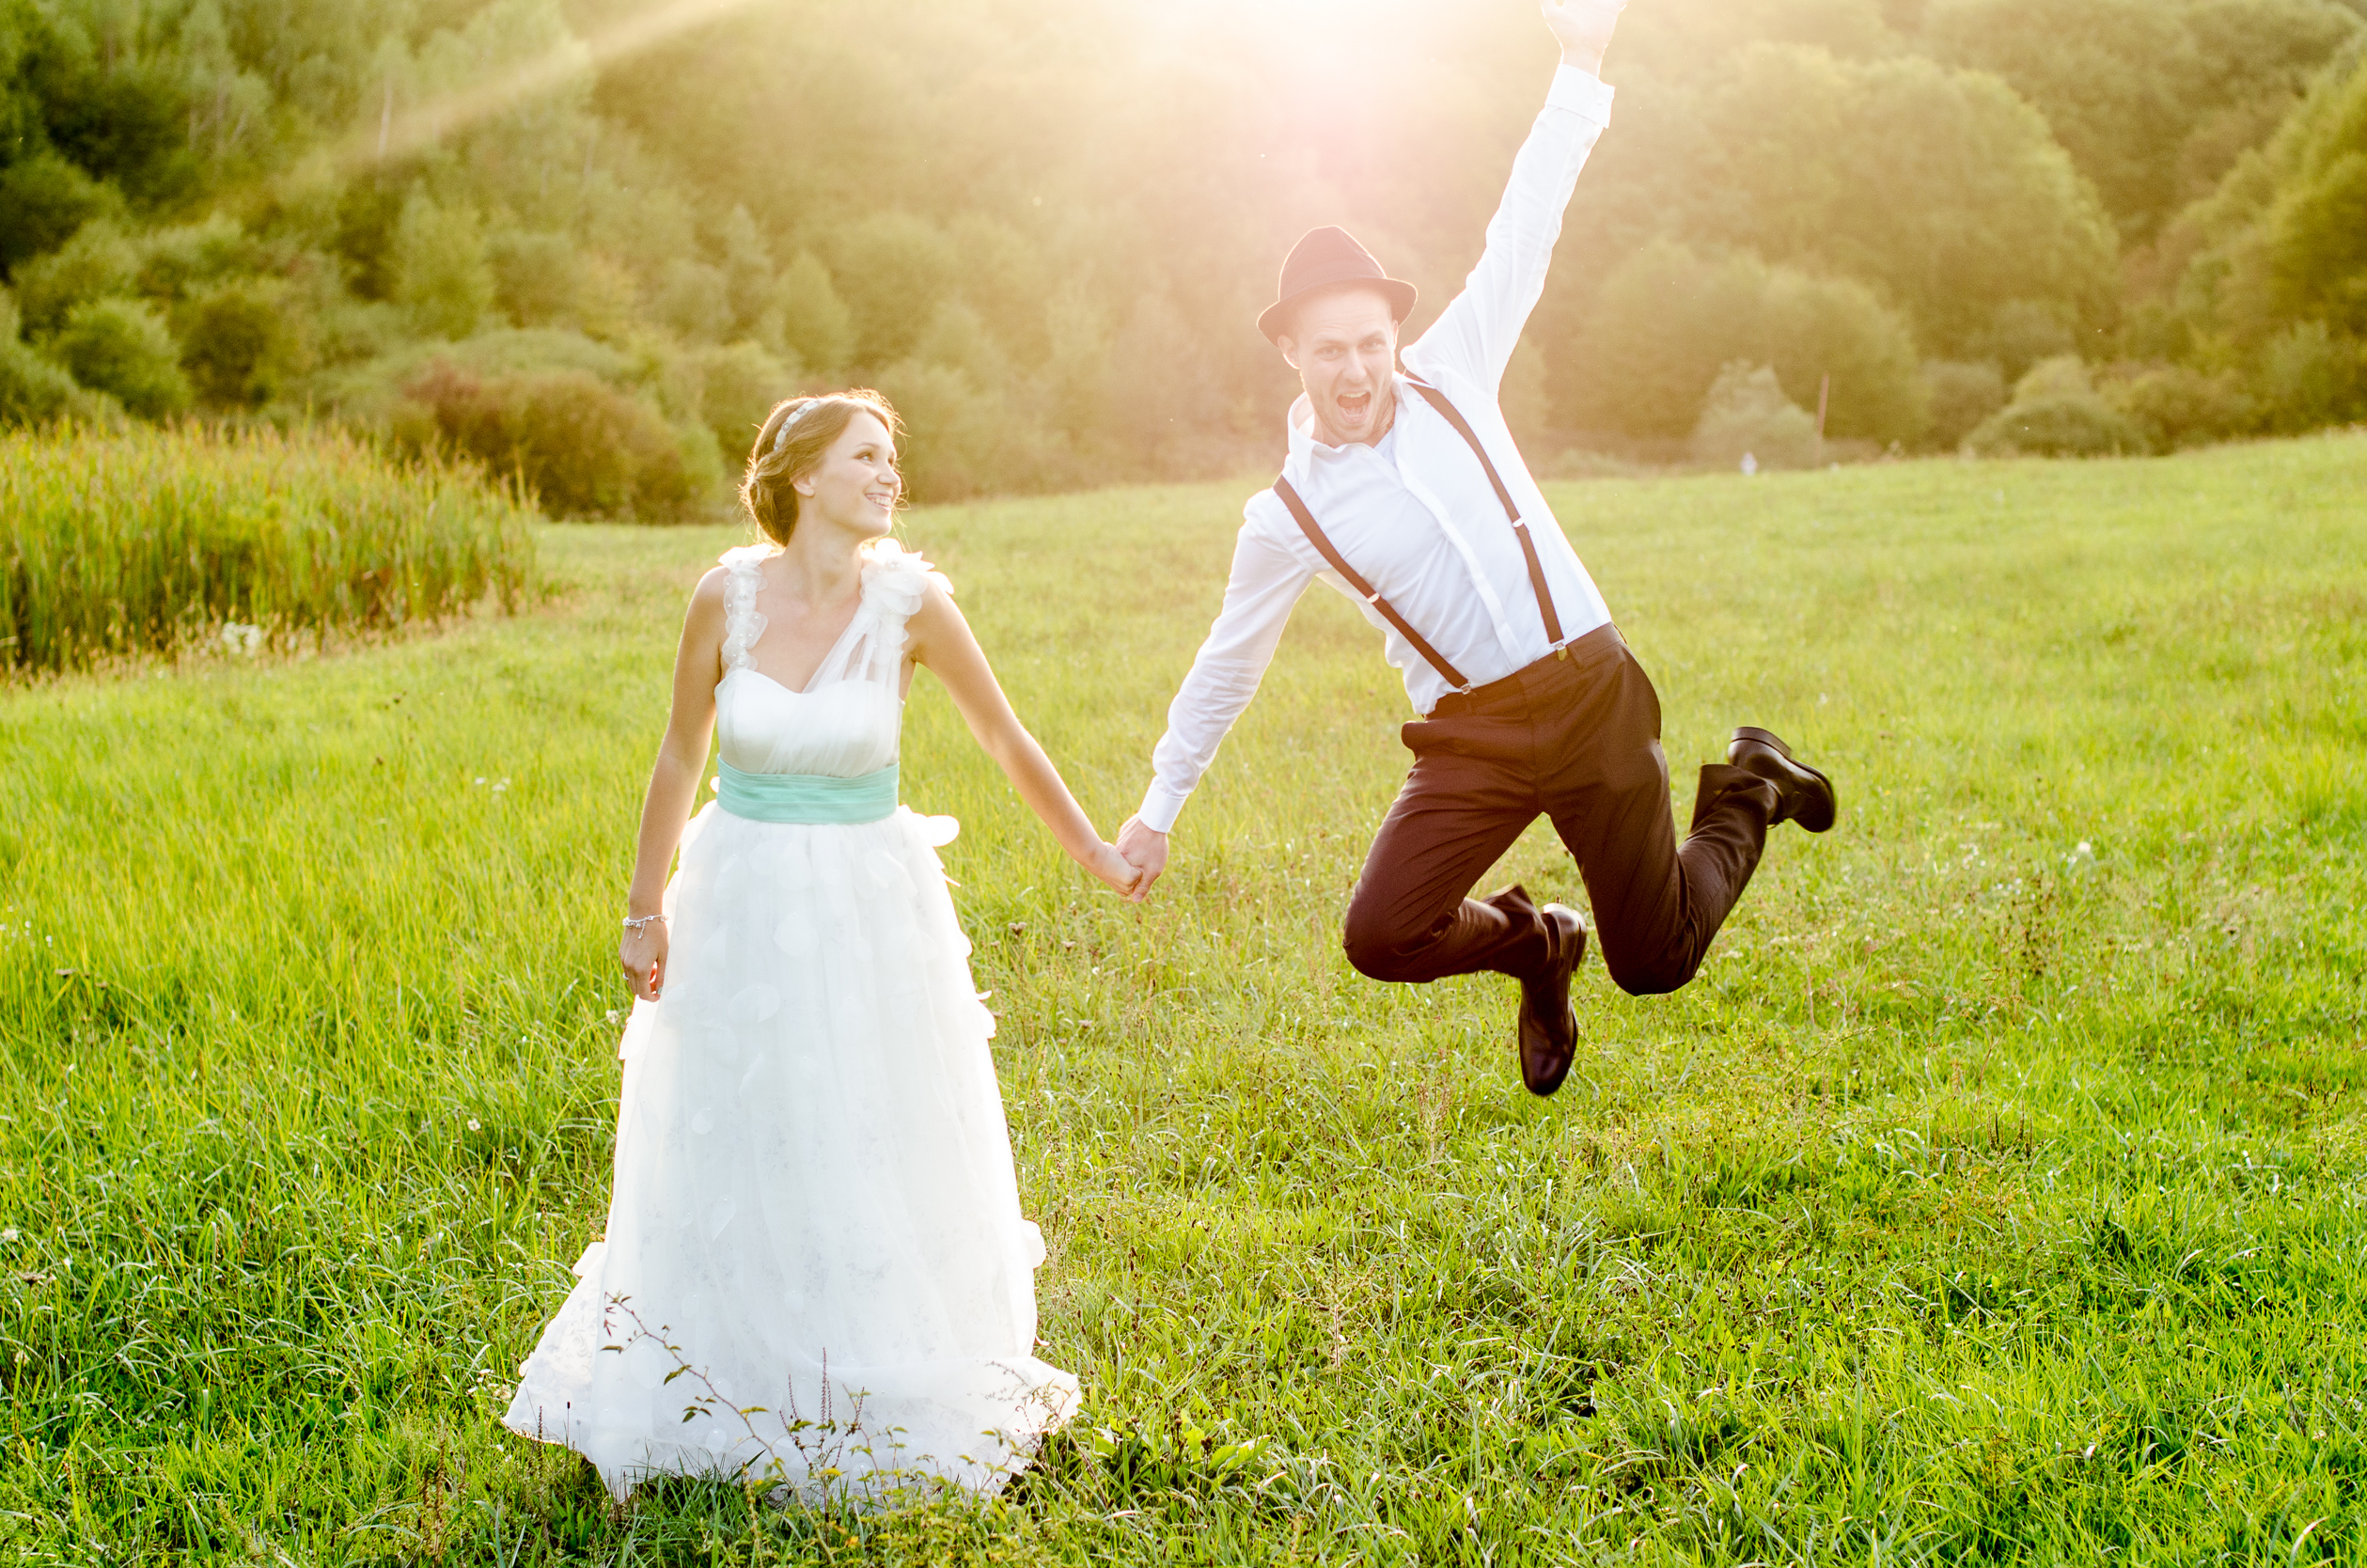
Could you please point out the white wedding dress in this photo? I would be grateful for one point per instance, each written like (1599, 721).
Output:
(814, 1244)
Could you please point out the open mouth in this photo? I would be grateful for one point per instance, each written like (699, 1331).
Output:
(1355, 406)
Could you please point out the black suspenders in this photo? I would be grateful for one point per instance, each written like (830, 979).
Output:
(1372, 595)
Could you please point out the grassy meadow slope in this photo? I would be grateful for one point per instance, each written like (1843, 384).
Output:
(1995, 1192)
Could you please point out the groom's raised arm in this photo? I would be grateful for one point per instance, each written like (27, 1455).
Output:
(1475, 337)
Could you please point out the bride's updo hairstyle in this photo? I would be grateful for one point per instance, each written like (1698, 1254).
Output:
(798, 434)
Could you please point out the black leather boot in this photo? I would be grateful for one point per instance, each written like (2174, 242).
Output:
(1803, 795)
(1548, 1027)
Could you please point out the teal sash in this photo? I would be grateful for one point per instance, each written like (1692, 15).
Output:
(806, 797)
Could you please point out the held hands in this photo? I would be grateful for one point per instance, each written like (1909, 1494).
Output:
(1584, 29)
(642, 956)
(1114, 869)
(1146, 849)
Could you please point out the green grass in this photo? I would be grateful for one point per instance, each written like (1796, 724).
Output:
(145, 542)
(1999, 1193)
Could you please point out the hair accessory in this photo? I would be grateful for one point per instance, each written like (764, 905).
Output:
(780, 437)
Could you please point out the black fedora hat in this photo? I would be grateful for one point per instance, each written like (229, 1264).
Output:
(1323, 258)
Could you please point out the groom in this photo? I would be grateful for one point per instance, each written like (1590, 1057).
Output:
(1405, 490)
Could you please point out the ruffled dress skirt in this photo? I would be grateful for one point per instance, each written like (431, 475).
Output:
(816, 1275)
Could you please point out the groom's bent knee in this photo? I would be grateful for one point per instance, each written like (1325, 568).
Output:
(1378, 946)
(1652, 977)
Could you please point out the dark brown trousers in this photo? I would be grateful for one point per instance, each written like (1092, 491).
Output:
(1578, 740)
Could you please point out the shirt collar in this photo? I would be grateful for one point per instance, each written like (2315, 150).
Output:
(1305, 450)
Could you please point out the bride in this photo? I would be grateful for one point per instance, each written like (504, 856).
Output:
(815, 1274)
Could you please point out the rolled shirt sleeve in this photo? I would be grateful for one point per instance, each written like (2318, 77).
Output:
(1268, 579)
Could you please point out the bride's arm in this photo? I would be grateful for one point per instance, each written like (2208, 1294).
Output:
(943, 642)
(674, 784)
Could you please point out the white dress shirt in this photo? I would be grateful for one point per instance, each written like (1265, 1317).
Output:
(1415, 514)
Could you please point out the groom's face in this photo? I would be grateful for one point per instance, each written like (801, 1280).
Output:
(1343, 344)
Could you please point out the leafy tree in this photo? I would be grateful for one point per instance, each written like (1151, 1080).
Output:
(2056, 412)
(101, 259)
(892, 269)
(1669, 321)
(43, 200)
(238, 342)
(441, 273)
(1961, 397)
(2149, 98)
(1746, 416)
(1938, 186)
(812, 321)
(122, 348)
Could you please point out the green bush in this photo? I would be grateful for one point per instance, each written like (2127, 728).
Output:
(2176, 405)
(729, 389)
(1669, 320)
(122, 348)
(236, 340)
(146, 540)
(43, 200)
(692, 301)
(810, 319)
(2311, 376)
(34, 391)
(99, 262)
(2057, 412)
(965, 439)
(441, 274)
(1748, 415)
(1961, 397)
(583, 447)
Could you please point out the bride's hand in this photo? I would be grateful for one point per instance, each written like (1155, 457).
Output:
(1115, 868)
(642, 956)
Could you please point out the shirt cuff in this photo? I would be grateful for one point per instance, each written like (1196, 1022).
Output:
(1161, 805)
(1587, 96)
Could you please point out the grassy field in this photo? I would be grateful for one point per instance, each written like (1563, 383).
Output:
(1999, 1193)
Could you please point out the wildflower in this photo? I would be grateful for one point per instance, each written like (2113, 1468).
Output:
(472, 1125)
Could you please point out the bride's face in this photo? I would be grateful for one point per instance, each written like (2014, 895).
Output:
(855, 484)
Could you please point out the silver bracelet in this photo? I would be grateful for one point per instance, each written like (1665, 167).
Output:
(639, 923)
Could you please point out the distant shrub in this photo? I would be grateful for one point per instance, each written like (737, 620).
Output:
(441, 275)
(146, 539)
(1669, 320)
(1962, 396)
(43, 200)
(583, 447)
(2059, 426)
(34, 391)
(184, 260)
(810, 319)
(2022, 334)
(2311, 376)
(729, 389)
(122, 348)
(2176, 405)
(2056, 412)
(694, 301)
(1747, 412)
(965, 439)
(235, 341)
(99, 262)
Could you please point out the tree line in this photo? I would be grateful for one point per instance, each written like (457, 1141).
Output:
(589, 242)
